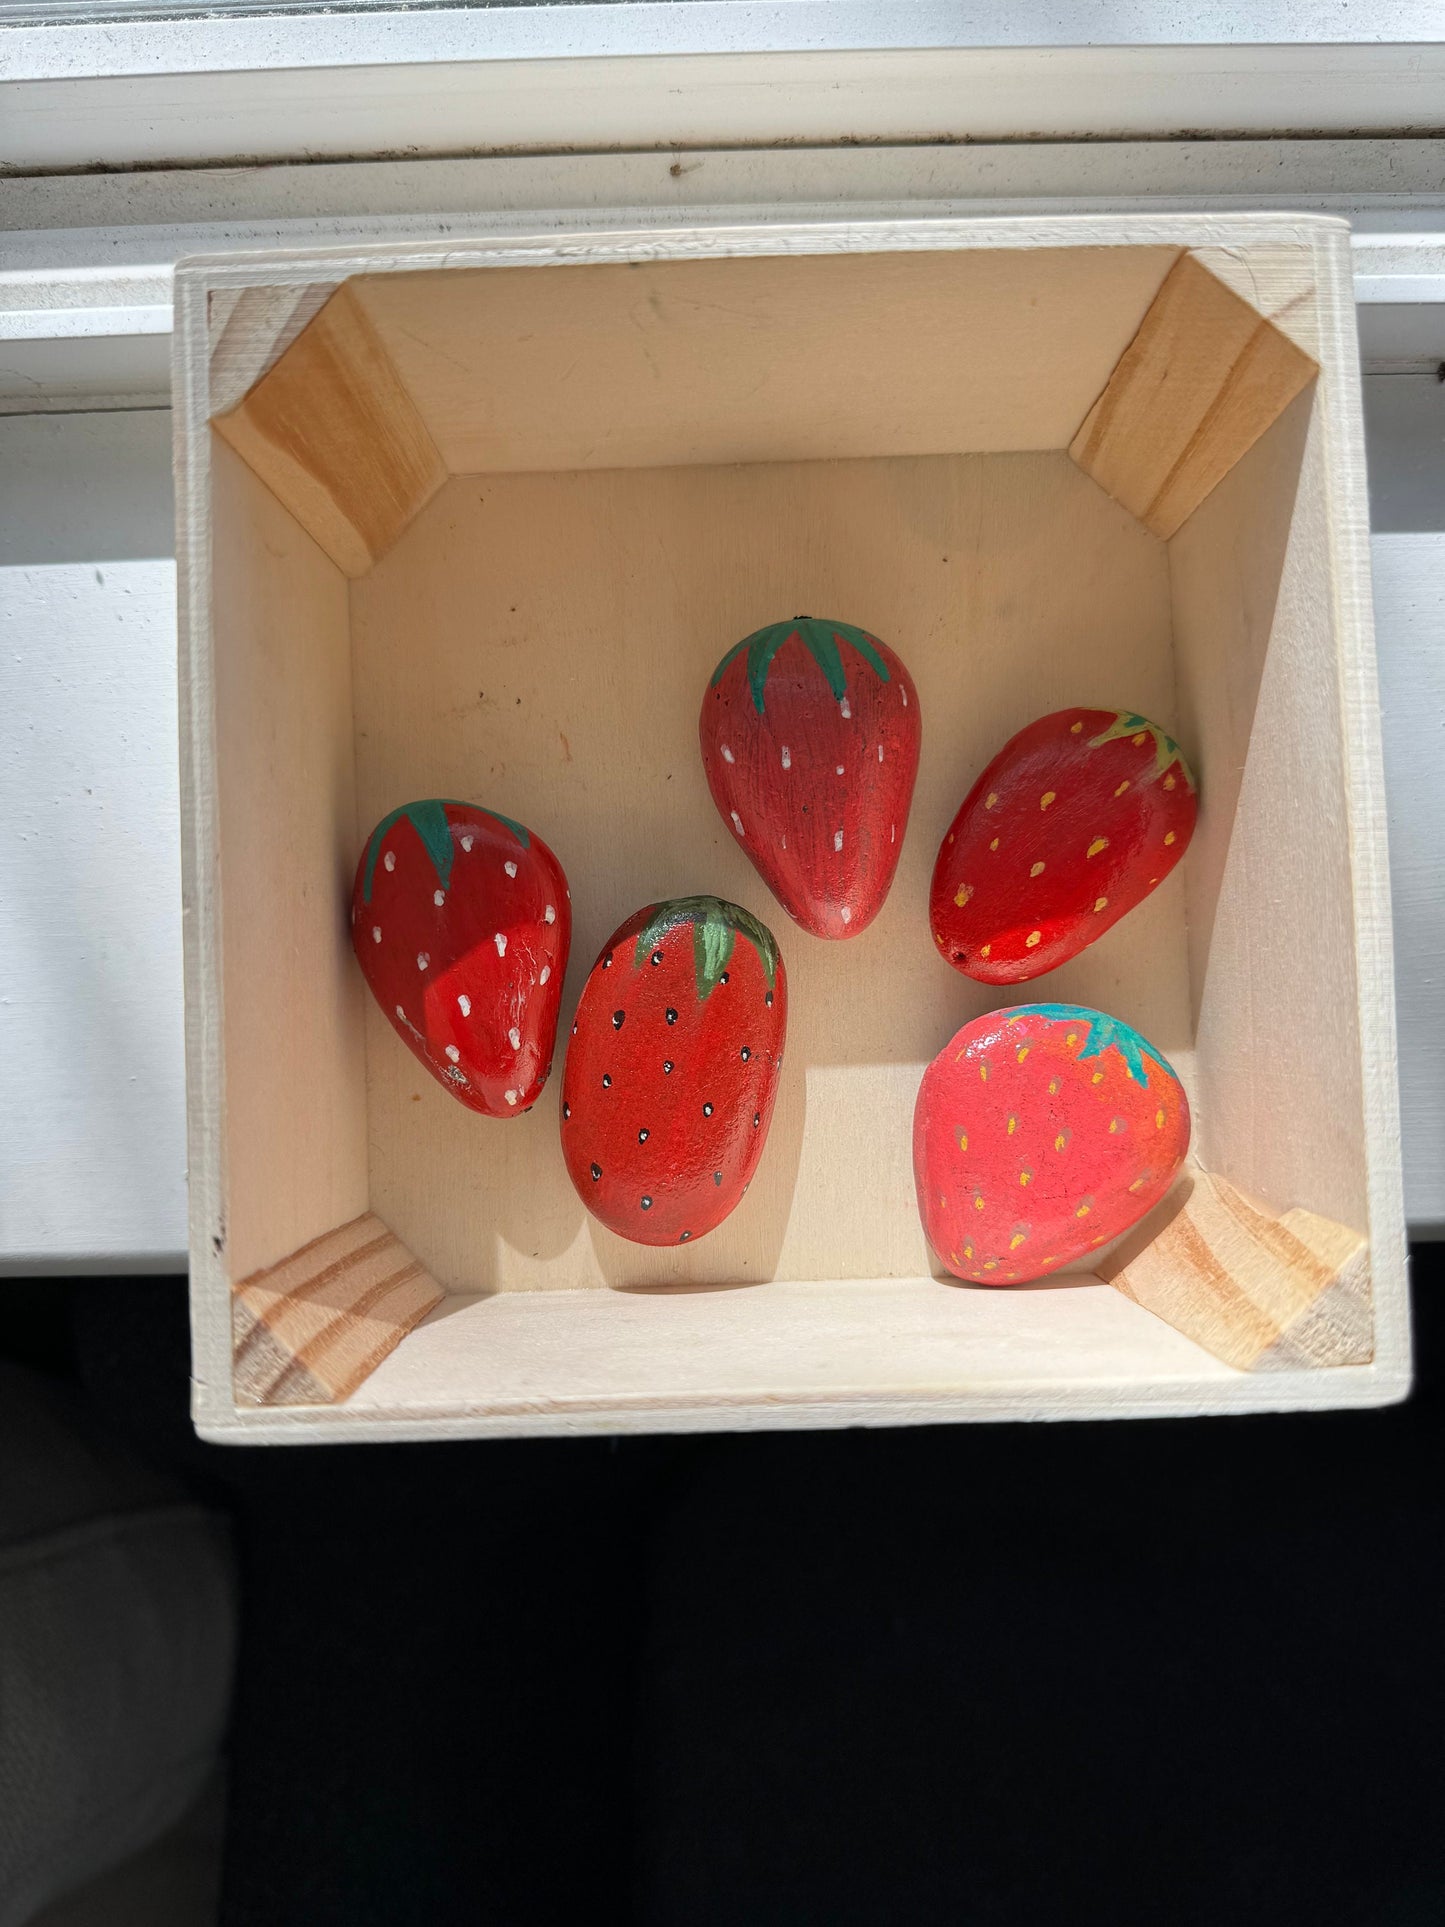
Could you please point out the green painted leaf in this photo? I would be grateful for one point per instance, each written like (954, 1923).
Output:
(429, 819)
(1104, 1033)
(716, 927)
(1166, 750)
(819, 637)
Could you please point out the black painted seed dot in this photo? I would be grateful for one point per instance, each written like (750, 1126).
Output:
(724, 977)
(596, 1172)
(607, 961)
(642, 1137)
(656, 958)
(617, 1019)
(606, 1081)
(647, 1204)
(707, 1110)
(717, 1177)
(745, 1053)
(757, 1119)
(667, 1064)
(768, 1000)
(574, 1030)
(566, 1110)
(682, 1240)
(672, 1016)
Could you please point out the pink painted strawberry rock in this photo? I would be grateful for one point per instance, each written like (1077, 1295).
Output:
(1072, 824)
(672, 1069)
(461, 922)
(1039, 1134)
(809, 733)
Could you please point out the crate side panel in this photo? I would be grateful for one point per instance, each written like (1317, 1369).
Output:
(541, 644)
(1270, 890)
(765, 358)
(294, 1039)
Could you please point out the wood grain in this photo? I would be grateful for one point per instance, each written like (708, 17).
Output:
(1195, 389)
(334, 435)
(1259, 1291)
(309, 1330)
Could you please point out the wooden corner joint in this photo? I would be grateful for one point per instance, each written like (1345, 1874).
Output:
(1261, 1292)
(307, 1331)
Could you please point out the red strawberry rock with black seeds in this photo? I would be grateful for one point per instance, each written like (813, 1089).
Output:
(1075, 821)
(809, 733)
(461, 921)
(672, 1069)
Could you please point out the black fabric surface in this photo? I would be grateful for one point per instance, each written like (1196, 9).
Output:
(1149, 1671)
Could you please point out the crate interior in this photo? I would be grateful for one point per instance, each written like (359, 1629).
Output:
(643, 463)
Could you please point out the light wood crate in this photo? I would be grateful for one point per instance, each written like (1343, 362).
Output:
(479, 521)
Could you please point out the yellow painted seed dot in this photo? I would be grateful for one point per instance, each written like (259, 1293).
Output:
(1158, 1120)
(978, 1200)
(1060, 1141)
(1097, 1078)
(1046, 799)
(953, 1259)
(986, 948)
(983, 1072)
(1169, 838)
(990, 1264)
(1054, 1086)
(1013, 1125)
(1015, 1241)
(1037, 870)
(1032, 938)
(1140, 740)
(1024, 1176)
(1135, 1185)
(1074, 728)
(1115, 1124)
(963, 1140)
(1101, 1239)
(1022, 1052)
(968, 1251)
(1082, 1212)
(1152, 882)
(1168, 782)
(1099, 843)
(1122, 787)
(940, 937)
(1072, 1038)
(994, 844)
(1100, 903)
(992, 799)
(965, 892)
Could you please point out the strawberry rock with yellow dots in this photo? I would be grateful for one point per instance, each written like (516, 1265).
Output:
(1040, 1133)
(1072, 824)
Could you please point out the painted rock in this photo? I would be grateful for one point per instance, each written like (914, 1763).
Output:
(1040, 1133)
(672, 1069)
(461, 922)
(809, 733)
(1072, 824)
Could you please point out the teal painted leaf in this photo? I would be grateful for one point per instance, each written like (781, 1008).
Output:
(429, 820)
(819, 636)
(716, 927)
(1104, 1033)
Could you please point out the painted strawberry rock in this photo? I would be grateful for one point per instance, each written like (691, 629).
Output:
(672, 1069)
(809, 733)
(461, 921)
(1072, 824)
(1039, 1134)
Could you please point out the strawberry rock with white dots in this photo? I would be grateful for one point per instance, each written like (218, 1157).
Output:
(672, 1069)
(461, 921)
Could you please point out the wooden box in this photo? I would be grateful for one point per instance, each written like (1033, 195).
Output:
(478, 521)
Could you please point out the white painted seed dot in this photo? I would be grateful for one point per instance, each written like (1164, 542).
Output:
(390, 859)
(453, 1053)
(844, 711)
(839, 770)
(511, 1096)
(785, 843)
(514, 1038)
(787, 757)
(880, 752)
(464, 1004)
(837, 839)
(727, 754)
(892, 832)
(549, 915)
(438, 897)
(401, 1013)
(376, 933)
(738, 824)
(846, 914)
(467, 842)
(500, 941)
(422, 960)
(904, 694)
(546, 973)
(510, 868)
